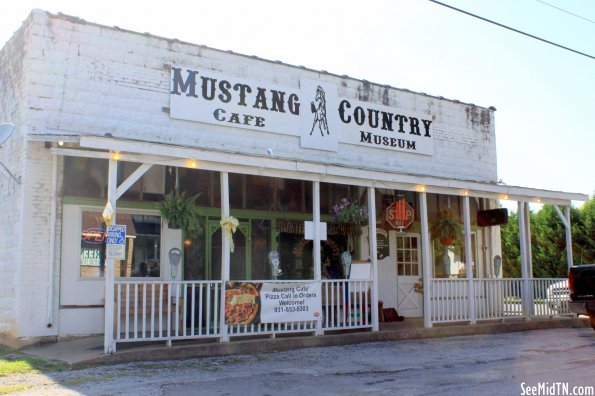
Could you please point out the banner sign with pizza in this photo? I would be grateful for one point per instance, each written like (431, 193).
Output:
(258, 302)
(290, 302)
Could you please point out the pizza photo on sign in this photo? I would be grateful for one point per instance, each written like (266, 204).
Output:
(242, 302)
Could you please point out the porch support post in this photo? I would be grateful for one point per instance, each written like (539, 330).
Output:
(425, 258)
(526, 291)
(568, 238)
(225, 256)
(373, 255)
(109, 346)
(565, 218)
(53, 209)
(468, 259)
(316, 243)
(528, 240)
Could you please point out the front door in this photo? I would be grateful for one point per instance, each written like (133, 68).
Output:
(409, 274)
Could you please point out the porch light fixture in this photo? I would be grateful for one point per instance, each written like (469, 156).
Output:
(193, 164)
(6, 131)
(421, 188)
(116, 156)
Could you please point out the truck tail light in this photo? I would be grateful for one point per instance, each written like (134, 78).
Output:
(571, 279)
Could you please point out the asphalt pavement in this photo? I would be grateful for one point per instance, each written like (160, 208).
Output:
(522, 363)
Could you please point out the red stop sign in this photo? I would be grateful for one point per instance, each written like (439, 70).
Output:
(400, 214)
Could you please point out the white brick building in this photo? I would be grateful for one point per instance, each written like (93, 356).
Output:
(91, 103)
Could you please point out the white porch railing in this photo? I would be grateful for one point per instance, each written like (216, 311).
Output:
(161, 310)
(346, 304)
(177, 310)
(497, 299)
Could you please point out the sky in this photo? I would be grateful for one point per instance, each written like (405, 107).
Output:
(544, 95)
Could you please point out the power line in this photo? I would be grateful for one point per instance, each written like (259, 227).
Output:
(568, 12)
(513, 29)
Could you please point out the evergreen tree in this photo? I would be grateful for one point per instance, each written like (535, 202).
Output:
(548, 240)
(583, 234)
(511, 256)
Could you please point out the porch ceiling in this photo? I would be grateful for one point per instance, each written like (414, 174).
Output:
(171, 155)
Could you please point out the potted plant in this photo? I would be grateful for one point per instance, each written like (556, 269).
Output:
(446, 227)
(181, 212)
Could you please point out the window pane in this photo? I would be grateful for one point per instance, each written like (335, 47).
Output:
(85, 177)
(143, 245)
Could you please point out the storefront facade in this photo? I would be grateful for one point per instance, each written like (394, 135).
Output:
(333, 185)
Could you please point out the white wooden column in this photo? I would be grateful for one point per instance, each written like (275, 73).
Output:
(425, 258)
(469, 259)
(528, 240)
(565, 218)
(568, 238)
(373, 255)
(225, 255)
(109, 346)
(526, 291)
(316, 242)
(53, 221)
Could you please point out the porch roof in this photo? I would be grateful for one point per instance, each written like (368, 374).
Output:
(190, 157)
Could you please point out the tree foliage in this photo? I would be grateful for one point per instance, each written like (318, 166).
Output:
(548, 241)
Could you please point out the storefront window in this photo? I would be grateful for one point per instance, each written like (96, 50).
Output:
(271, 212)
(143, 245)
(85, 177)
(448, 251)
(450, 261)
(88, 177)
(345, 209)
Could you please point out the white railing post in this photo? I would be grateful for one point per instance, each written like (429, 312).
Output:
(425, 256)
(468, 260)
(225, 258)
(373, 255)
(109, 346)
(316, 242)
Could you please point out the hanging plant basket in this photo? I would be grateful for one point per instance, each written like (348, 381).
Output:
(446, 228)
(181, 212)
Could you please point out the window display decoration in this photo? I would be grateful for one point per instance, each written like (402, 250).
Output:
(108, 214)
(229, 225)
(274, 262)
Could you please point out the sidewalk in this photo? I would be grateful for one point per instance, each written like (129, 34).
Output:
(89, 350)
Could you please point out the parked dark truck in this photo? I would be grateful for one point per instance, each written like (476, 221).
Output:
(581, 282)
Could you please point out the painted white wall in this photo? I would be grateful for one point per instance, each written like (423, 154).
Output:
(91, 79)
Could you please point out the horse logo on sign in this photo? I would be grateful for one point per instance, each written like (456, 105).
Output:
(318, 107)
